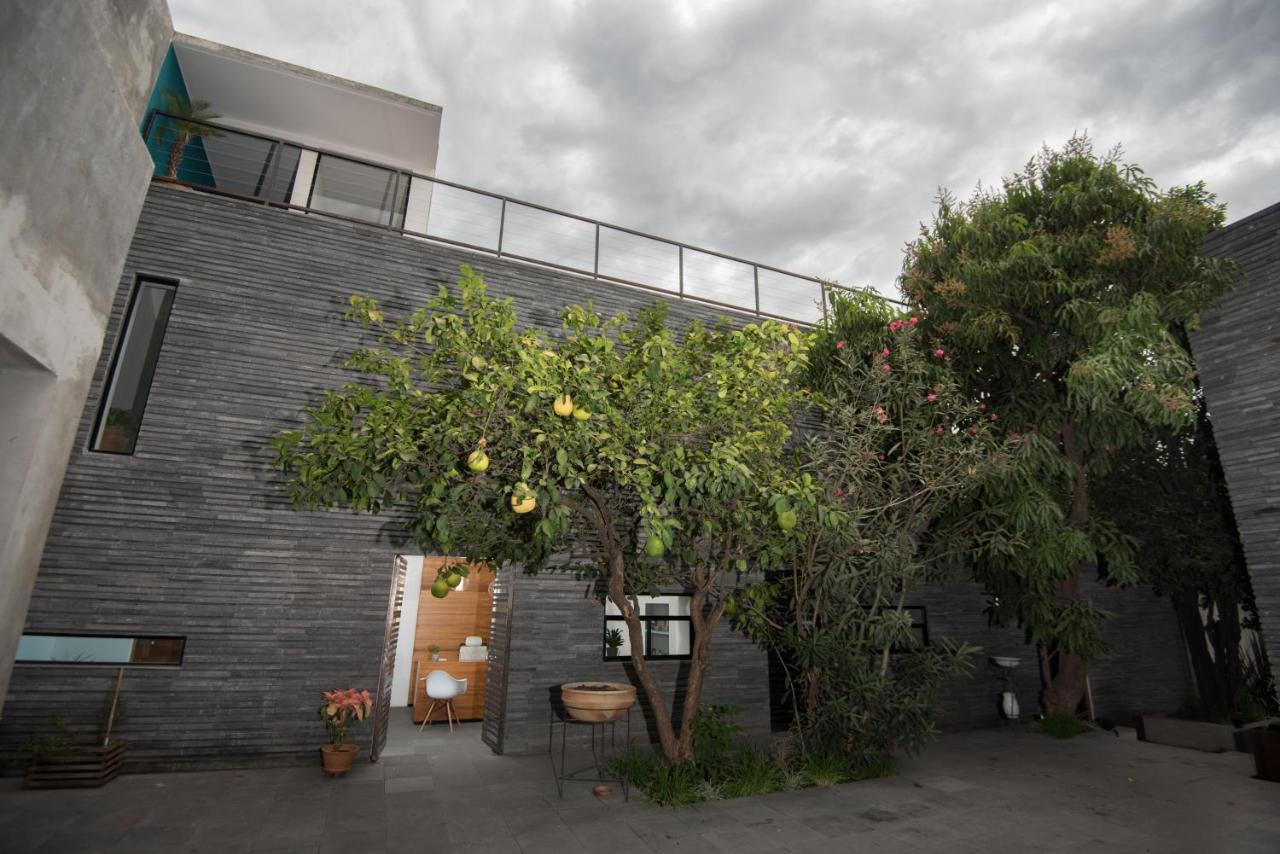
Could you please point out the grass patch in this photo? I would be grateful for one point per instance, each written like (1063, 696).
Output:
(1063, 725)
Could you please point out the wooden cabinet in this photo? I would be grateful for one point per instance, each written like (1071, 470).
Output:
(447, 623)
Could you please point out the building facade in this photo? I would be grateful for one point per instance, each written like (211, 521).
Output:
(174, 533)
(1236, 350)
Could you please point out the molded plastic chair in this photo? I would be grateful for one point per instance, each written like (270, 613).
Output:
(442, 688)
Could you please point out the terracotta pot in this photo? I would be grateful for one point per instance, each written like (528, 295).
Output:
(597, 701)
(337, 758)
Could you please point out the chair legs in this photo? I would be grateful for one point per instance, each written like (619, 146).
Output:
(450, 713)
(427, 719)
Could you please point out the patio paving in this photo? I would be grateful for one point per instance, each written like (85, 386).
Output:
(988, 791)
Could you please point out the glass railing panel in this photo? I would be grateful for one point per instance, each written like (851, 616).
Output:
(790, 296)
(464, 217)
(714, 278)
(551, 237)
(643, 260)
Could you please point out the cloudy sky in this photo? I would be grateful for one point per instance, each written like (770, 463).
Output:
(812, 136)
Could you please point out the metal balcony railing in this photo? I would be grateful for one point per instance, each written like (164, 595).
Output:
(299, 177)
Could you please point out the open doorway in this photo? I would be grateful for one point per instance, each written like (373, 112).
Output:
(448, 636)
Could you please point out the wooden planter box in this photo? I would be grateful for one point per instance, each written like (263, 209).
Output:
(79, 768)
(1196, 735)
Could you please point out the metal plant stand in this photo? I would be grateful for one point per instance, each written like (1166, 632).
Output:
(604, 745)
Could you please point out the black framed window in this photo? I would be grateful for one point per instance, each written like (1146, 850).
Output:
(919, 623)
(100, 649)
(132, 368)
(668, 631)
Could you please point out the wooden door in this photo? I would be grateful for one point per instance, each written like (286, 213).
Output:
(382, 704)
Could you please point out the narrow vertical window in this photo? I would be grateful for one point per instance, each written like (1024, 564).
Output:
(129, 381)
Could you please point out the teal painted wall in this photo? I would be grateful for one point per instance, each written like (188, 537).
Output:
(195, 167)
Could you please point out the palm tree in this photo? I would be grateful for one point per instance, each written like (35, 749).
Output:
(182, 132)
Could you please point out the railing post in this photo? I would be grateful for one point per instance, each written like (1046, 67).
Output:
(502, 225)
(595, 269)
(823, 292)
(755, 269)
(681, 270)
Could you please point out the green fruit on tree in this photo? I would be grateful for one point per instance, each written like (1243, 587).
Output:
(563, 406)
(654, 546)
(731, 607)
(439, 588)
(581, 414)
(453, 579)
(522, 499)
(478, 461)
(787, 520)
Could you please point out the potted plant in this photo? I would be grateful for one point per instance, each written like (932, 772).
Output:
(60, 760)
(435, 652)
(340, 709)
(597, 701)
(613, 641)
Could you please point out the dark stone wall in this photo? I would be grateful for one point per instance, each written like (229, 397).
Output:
(193, 534)
(1237, 350)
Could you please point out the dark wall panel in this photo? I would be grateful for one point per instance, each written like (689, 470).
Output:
(1238, 353)
(193, 535)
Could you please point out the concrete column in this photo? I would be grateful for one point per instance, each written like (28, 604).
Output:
(74, 79)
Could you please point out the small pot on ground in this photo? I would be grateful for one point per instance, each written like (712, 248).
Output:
(336, 759)
(597, 702)
(1265, 744)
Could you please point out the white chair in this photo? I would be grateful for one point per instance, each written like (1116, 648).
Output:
(442, 688)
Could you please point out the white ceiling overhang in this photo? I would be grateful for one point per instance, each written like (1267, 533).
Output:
(276, 99)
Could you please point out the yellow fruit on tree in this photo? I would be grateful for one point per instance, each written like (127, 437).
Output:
(581, 414)
(439, 588)
(453, 579)
(522, 499)
(478, 461)
(654, 547)
(787, 520)
(563, 406)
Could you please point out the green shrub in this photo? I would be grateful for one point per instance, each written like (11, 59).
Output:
(1064, 725)
(825, 769)
(751, 772)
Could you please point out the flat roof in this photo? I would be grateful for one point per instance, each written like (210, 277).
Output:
(274, 98)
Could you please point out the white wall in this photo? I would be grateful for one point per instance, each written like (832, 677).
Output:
(402, 677)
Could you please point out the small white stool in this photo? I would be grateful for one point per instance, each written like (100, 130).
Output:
(442, 688)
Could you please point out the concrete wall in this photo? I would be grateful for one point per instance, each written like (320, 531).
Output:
(74, 80)
(1238, 353)
(193, 535)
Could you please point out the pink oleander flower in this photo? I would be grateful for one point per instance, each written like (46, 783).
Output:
(839, 492)
(914, 321)
(886, 367)
(931, 397)
(885, 352)
(839, 345)
(939, 353)
(895, 325)
(939, 430)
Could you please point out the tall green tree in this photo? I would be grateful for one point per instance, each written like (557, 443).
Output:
(647, 459)
(1054, 298)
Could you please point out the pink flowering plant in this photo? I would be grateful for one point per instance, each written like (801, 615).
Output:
(900, 443)
(342, 708)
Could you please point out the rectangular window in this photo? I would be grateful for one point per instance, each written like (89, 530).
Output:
(919, 623)
(668, 631)
(359, 191)
(100, 649)
(134, 365)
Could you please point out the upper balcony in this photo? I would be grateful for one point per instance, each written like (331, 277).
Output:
(306, 142)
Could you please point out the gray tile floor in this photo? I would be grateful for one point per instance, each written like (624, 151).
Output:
(988, 791)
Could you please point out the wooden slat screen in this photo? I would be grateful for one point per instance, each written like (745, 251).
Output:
(382, 705)
(495, 698)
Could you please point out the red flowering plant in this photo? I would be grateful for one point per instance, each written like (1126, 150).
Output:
(900, 442)
(341, 708)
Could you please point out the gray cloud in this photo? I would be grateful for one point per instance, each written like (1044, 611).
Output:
(812, 136)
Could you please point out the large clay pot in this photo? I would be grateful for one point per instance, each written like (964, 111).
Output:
(597, 701)
(337, 758)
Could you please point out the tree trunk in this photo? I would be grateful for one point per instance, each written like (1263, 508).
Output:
(175, 155)
(1067, 687)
